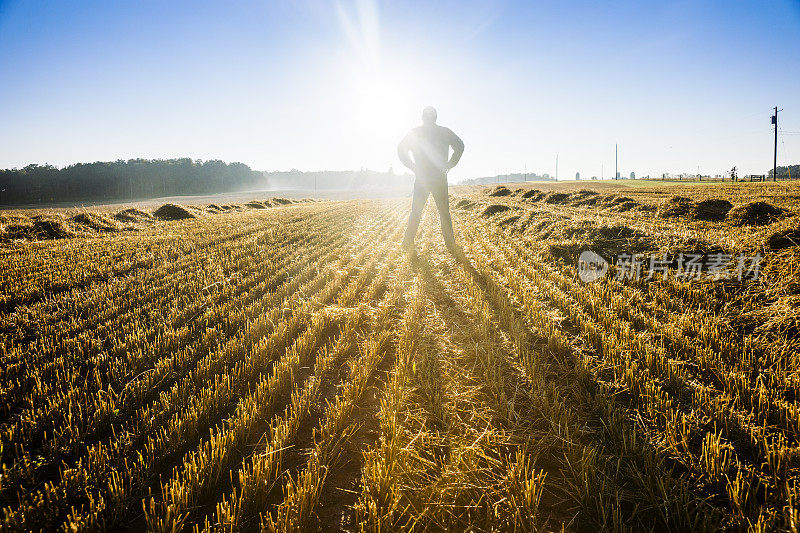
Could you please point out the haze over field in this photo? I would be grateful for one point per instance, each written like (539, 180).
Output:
(334, 85)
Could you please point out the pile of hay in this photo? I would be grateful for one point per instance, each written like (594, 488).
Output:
(255, 205)
(620, 203)
(9, 231)
(571, 238)
(172, 212)
(712, 209)
(556, 198)
(465, 204)
(37, 229)
(571, 229)
(532, 193)
(51, 229)
(95, 222)
(584, 197)
(132, 215)
(676, 206)
(784, 239)
(508, 220)
(590, 231)
(616, 232)
(500, 190)
(754, 214)
(625, 206)
(282, 201)
(494, 209)
(613, 199)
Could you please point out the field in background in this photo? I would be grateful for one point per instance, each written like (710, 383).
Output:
(283, 366)
(782, 193)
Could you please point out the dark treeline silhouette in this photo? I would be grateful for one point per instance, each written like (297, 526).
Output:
(124, 180)
(792, 171)
(137, 179)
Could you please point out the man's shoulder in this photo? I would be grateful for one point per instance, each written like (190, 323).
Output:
(431, 132)
(450, 135)
(446, 131)
(414, 132)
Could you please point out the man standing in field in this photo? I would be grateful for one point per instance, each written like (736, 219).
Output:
(430, 145)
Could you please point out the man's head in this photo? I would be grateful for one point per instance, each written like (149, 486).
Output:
(429, 115)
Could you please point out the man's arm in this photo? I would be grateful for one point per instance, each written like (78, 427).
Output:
(403, 150)
(458, 148)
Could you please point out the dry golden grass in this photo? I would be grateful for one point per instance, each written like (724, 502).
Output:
(285, 368)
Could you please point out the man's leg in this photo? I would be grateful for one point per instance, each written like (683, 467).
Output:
(440, 196)
(417, 205)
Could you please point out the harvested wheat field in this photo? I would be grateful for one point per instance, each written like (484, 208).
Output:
(282, 365)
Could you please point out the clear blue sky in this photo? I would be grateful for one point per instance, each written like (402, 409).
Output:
(335, 85)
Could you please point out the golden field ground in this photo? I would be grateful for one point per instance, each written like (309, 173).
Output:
(286, 367)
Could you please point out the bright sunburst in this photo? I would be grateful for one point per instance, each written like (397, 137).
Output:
(379, 95)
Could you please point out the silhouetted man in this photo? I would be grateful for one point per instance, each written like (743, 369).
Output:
(430, 145)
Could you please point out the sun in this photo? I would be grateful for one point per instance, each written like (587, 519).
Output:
(380, 88)
(380, 108)
(381, 99)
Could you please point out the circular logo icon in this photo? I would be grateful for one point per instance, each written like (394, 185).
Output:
(591, 266)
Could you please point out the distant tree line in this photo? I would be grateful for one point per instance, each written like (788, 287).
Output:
(792, 171)
(124, 180)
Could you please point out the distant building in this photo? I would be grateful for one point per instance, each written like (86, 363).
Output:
(617, 175)
(633, 175)
(577, 176)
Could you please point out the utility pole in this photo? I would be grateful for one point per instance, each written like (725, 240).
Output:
(616, 162)
(775, 152)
